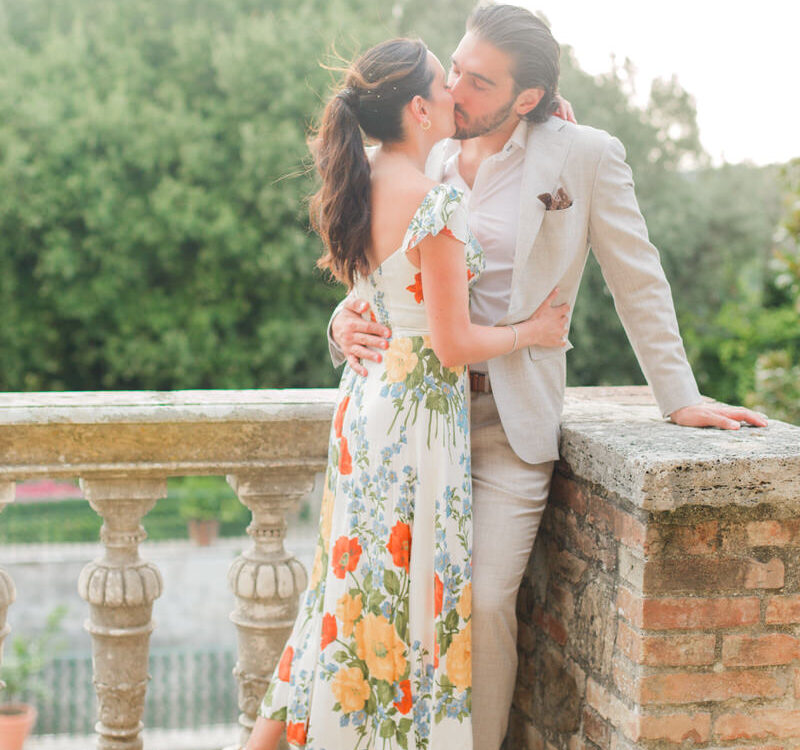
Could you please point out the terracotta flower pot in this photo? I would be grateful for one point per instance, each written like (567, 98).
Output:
(202, 533)
(16, 722)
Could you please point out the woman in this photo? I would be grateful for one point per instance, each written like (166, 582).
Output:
(379, 655)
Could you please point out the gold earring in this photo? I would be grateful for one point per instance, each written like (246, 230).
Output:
(425, 124)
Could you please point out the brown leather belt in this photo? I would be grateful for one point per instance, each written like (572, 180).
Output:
(479, 382)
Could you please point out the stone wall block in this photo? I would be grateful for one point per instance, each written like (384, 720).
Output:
(266, 580)
(120, 589)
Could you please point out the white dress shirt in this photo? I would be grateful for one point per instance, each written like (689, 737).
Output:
(493, 205)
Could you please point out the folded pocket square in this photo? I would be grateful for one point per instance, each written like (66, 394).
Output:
(556, 202)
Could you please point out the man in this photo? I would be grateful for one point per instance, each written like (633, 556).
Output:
(540, 190)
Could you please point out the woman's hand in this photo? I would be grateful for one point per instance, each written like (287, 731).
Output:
(564, 110)
(547, 326)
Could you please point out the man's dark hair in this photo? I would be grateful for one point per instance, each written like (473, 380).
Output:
(530, 45)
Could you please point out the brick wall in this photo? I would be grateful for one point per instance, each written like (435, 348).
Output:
(662, 618)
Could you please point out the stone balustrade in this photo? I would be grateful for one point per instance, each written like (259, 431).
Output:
(661, 605)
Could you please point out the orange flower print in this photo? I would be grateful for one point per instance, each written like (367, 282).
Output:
(350, 688)
(296, 733)
(436, 653)
(345, 462)
(338, 421)
(464, 606)
(379, 645)
(348, 610)
(404, 704)
(285, 666)
(328, 629)
(372, 317)
(447, 233)
(470, 275)
(459, 658)
(400, 545)
(438, 592)
(345, 555)
(416, 288)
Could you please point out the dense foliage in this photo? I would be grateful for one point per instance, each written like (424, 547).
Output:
(153, 177)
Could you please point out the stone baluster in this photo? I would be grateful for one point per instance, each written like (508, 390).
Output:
(7, 591)
(267, 582)
(120, 588)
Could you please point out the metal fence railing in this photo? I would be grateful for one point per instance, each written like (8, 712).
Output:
(189, 688)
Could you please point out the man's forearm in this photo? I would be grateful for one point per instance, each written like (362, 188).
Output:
(337, 355)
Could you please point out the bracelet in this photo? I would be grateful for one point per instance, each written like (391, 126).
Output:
(514, 329)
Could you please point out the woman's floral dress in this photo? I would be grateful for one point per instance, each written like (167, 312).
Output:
(380, 653)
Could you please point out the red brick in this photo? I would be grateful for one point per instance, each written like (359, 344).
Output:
(565, 564)
(676, 728)
(768, 575)
(630, 606)
(699, 539)
(569, 493)
(666, 650)
(783, 609)
(550, 625)
(611, 708)
(629, 642)
(596, 728)
(630, 531)
(694, 687)
(758, 724)
(679, 650)
(600, 548)
(562, 601)
(690, 613)
(762, 650)
(797, 683)
(625, 679)
(774, 533)
(600, 513)
(707, 575)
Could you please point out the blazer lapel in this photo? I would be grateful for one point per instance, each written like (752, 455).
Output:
(545, 153)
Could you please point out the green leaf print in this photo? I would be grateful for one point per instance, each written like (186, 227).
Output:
(385, 692)
(388, 728)
(391, 582)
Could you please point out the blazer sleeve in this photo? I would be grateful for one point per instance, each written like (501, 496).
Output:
(337, 355)
(632, 269)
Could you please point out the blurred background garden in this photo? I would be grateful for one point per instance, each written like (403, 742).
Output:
(153, 229)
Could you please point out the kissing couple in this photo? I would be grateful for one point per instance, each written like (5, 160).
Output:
(462, 234)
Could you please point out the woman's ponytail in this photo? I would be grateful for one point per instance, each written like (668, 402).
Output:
(340, 210)
(377, 87)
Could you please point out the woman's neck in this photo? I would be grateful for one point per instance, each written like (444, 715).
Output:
(414, 152)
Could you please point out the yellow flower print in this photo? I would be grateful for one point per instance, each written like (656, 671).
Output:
(378, 644)
(350, 689)
(427, 343)
(326, 517)
(464, 606)
(459, 658)
(400, 359)
(348, 610)
(316, 569)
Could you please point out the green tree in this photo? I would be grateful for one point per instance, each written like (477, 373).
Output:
(153, 177)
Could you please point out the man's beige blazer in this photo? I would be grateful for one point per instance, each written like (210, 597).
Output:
(552, 248)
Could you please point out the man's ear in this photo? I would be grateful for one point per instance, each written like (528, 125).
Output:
(527, 100)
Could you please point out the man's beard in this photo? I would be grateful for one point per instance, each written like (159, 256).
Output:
(483, 125)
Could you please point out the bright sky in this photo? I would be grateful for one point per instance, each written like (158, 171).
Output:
(740, 61)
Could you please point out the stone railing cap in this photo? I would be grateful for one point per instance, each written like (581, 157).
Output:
(617, 438)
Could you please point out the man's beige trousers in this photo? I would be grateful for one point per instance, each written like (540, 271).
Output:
(509, 497)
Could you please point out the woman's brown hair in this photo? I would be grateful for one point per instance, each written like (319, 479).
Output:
(376, 88)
